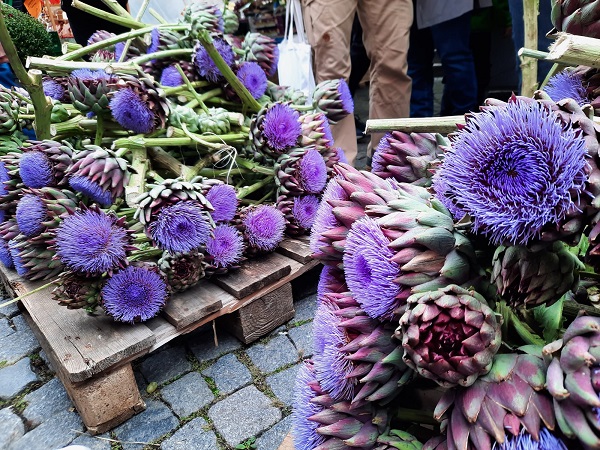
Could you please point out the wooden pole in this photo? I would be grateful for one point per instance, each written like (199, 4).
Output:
(529, 65)
(575, 50)
(442, 125)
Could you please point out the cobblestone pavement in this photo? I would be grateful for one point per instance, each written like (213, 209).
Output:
(207, 397)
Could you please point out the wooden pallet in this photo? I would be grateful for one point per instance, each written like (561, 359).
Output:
(92, 355)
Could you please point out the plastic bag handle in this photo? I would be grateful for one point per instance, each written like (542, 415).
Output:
(293, 18)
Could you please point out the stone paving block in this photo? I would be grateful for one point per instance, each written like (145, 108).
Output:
(188, 394)
(17, 345)
(273, 437)
(44, 358)
(45, 402)
(164, 365)
(146, 426)
(276, 353)
(15, 378)
(55, 433)
(282, 384)
(305, 308)
(279, 330)
(302, 337)
(228, 373)
(243, 414)
(193, 435)
(5, 328)
(203, 346)
(20, 323)
(93, 442)
(11, 428)
(9, 310)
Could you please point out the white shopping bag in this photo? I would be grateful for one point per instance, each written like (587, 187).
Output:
(295, 61)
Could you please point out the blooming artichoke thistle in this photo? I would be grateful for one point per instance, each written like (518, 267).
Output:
(263, 50)
(449, 335)
(513, 170)
(202, 16)
(33, 261)
(299, 211)
(205, 66)
(316, 131)
(223, 200)
(8, 230)
(89, 90)
(301, 171)
(224, 250)
(408, 158)
(567, 84)
(97, 168)
(170, 76)
(576, 17)
(182, 270)
(45, 163)
(531, 277)
(572, 380)
(275, 129)
(262, 227)
(75, 291)
(333, 98)
(135, 294)
(590, 78)
(253, 78)
(508, 399)
(331, 281)
(55, 88)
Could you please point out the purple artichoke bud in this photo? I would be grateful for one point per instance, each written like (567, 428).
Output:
(132, 112)
(312, 172)
(567, 84)
(103, 55)
(99, 36)
(223, 199)
(301, 171)
(6, 235)
(263, 50)
(134, 294)
(281, 128)
(91, 189)
(33, 261)
(181, 227)
(512, 170)
(182, 270)
(154, 41)
(4, 178)
(305, 209)
(31, 213)
(75, 291)
(15, 256)
(333, 98)
(53, 89)
(93, 242)
(44, 164)
(225, 247)
(171, 77)
(205, 66)
(263, 227)
(253, 78)
(5, 256)
(331, 281)
(306, 389)
(316, 131)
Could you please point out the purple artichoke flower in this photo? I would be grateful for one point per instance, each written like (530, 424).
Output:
(180, 227)
(312, 172)
(524, 441)
(342, 156)
(119, 47)
(223, 199)
(87, 74)
(91, 189)
(370, 272)
(205, 66)
(171, 77)
(304, 430)
(324, 218)
(30, 214)
(253, 78)
(154, 41)
(92, 242)
(131, 111)
(225, 246)
(5, 256)
(567, 84)
(281, 128)
(513, 169)
(35, 170)
(16, 259)
(4, 177)
(53, 89)
(345, 96)
(331, 280)
(264, 227)
(134, 294)
(305, 210)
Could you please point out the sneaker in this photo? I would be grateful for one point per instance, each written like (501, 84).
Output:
(360, 128)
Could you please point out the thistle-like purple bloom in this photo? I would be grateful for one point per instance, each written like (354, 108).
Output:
(30, 214)
(377, 162)
(304, 430)
(264, 227)
(4, 177)
(524, 441)
(181, 227)
(345, 96)
(281, 127)
(87, 74)
(53, 89)
(132, 112)
(330, 276)
(312, 172)
(15, 254)
(134, 294)
(341, 155)
(35, 170)
(225, 246)
(327, 130)
(154, 41)
(370, 272)
(324, 218)
(305, 210)
(223, 199)
(513, 169)
(253, 78)
(567, 84)
(92, 242)
(170, 76)
(5, 256)
(119, 48)
(91, 189)
(205, 66)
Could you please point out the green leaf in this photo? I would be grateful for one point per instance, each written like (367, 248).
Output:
(581, 248)
(511, 323)
(550, 319)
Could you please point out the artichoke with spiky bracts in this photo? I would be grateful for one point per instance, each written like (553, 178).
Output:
(331, 281)
(526, 276)
(8, 230)
(169, 192)
(275, 129)
(102, 168)
(182, 270)
(316, 131)
(581, 17)
(333, 98)
(103, 56)
(590, 79)
(201, 16)
(54, 89)
(567, 84)
(251, 75)
(33, 261)
(133, 51)
(222, 198)
(216, 121)
(76, 291)
(205, 65)
(99, 36)
(9, 113)
(184, 115)
(263, 50)
(408, 158)
(45, 163)
(139, 104)
(284, 94)
(224, 250)
(89, 90)
(262, 227)
(231, 21)
(299, 211)
(11, 185)
(170, 76)
(301, 171)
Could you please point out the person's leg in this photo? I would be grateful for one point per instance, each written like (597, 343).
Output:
(481, 46)
(328, 25)
(420, 70)
(386, 25)
(358, 57)
(451, 39)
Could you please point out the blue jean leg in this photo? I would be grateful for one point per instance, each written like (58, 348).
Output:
(420, 70)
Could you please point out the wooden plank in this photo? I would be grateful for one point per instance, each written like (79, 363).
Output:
(190, 306)
(295, 249)
(255, 274)
(84, 345)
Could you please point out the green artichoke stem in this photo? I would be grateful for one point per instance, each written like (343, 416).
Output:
(99, 130)
(27, 116)
(162, 54)
(57, 65)
(32, 81)
(204, 97)
(27, 294)
(217, 101)
(189, 173)
(145, 254)
(589, 275)
(251, 165)
(124, 20)
(163, 159)
(187, 82)
(215, 173)
(572, 310)
(137, 180)
(236, 84)
(157, 16)
(416, 415)
(142, 10)
(117, 8)
(267, 196)
(156, 177)
(177, 89)
(442, 125)
(303, 108)
(70, 47)
(522, 329)
(245, 191)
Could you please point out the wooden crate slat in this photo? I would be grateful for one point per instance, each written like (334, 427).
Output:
(190, 306)
(295, 249)
(255, 274)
